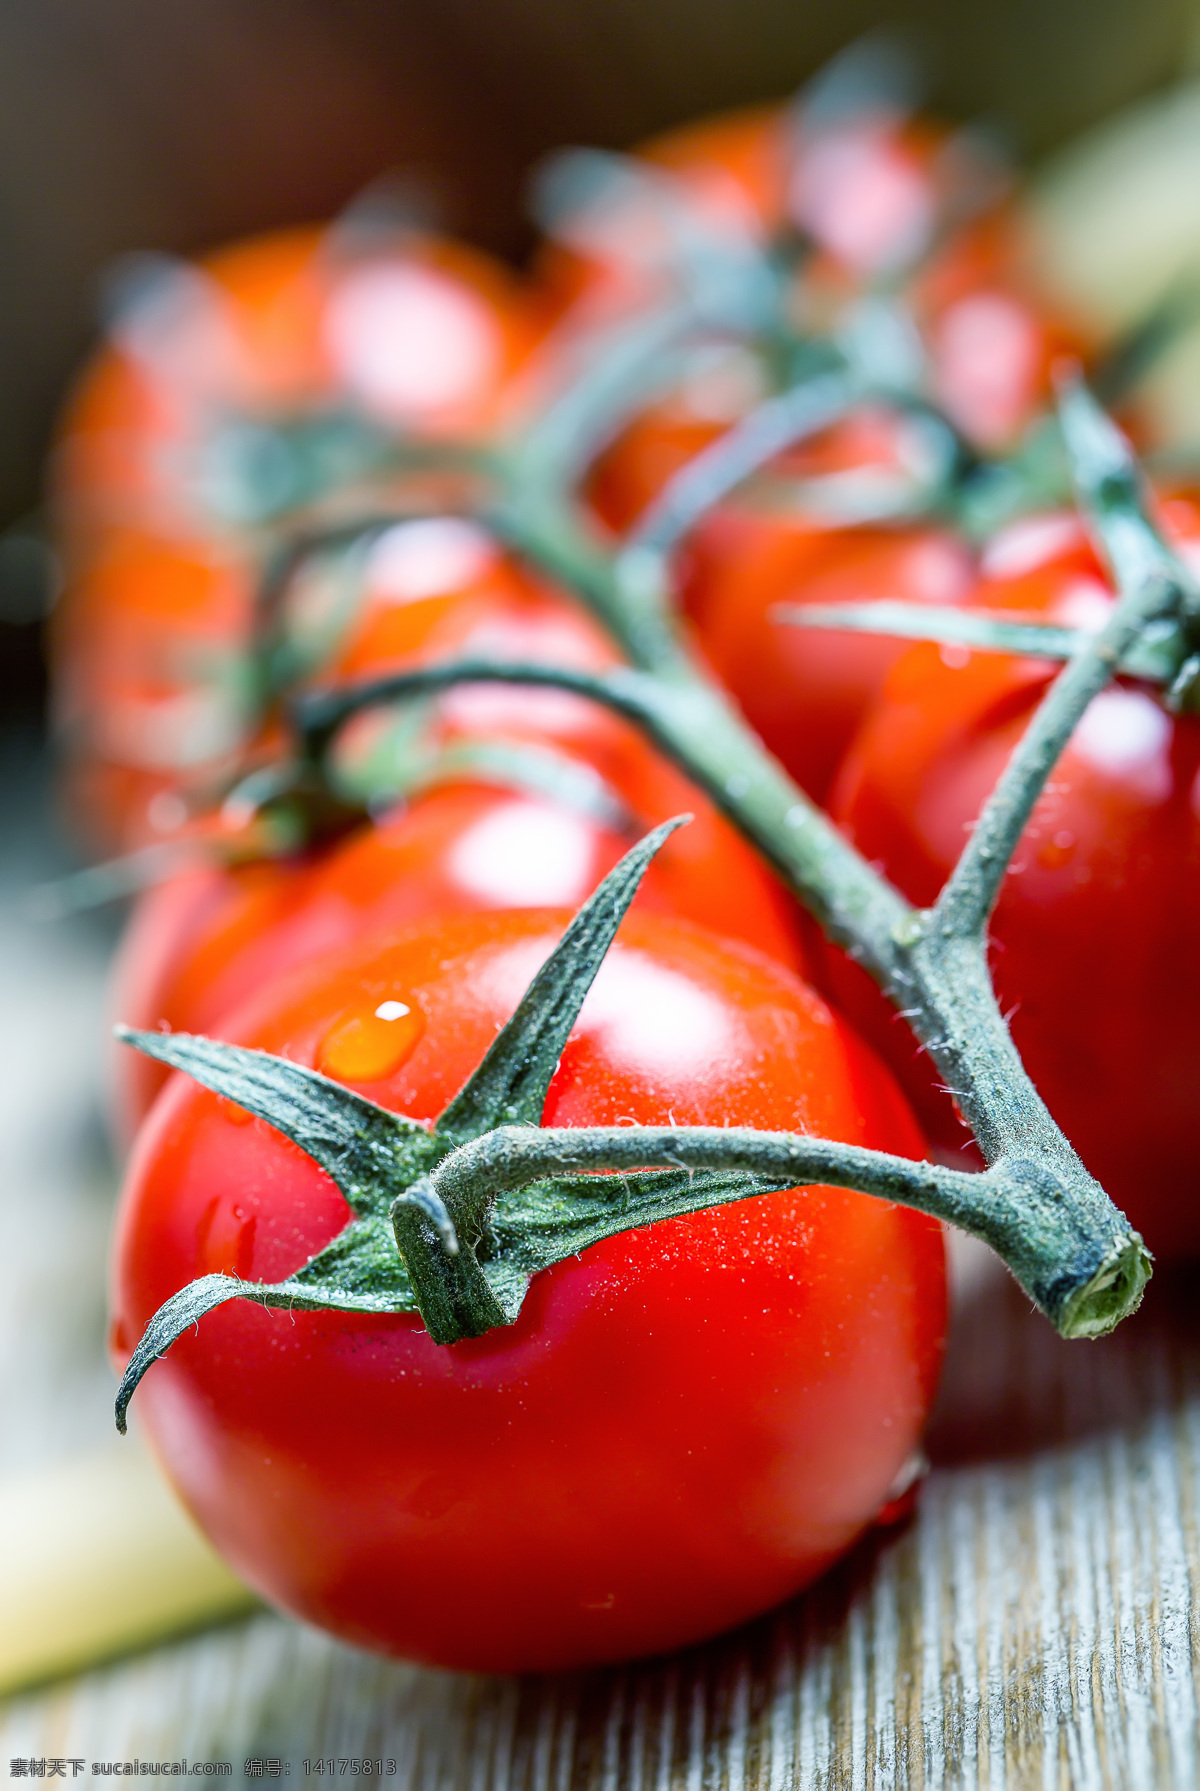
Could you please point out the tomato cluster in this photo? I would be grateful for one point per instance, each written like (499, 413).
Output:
(277, 477)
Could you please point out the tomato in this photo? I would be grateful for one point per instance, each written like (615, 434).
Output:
(864, 188)
(197, 945)
(415, 333)
(440, 588)
(872, 193)
(147, 639)
(991, 334)
(685, 1424)
(806, 690)
(150, 691)
(1095, 953)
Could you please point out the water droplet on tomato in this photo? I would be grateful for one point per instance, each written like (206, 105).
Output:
(369, 1042)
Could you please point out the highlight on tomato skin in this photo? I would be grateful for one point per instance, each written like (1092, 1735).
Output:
(685, 1425)
(1095, 955)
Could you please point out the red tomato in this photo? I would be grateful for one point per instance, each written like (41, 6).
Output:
(440, 588)
(151, 632)
(199, 944)
(806, 690)
(686, 1423)
(150, 692)
(865, 189)
(417, 333)
(991, 334)
(871, 192)
(1095, 950)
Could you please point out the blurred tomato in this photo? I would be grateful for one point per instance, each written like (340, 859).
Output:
(201, 943)
(152, 691)
(415, 333)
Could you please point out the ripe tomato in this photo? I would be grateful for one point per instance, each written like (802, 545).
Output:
(200, 943)
(151, 633)
(1095, 951)
(685, 1424)
(416, 333)
(150, 688)
(865, 189)
(991, 334)
(806, 690)
(872, 193)
(440, 588)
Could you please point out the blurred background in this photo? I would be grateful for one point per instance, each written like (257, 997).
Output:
(163, 124)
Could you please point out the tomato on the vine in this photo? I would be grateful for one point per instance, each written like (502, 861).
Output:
(199, 944)
(152, 685)
(418, 333)
(685, 1424)
(1095, 954)
(151, 637)
(864, 189)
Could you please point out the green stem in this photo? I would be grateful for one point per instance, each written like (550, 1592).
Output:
(692, 722)
(970, 893)
(1154, 656)
(624, 368)
(932, 966)
(778, 424)
(1016, 1206)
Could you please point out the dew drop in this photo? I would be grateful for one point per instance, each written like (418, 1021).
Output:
(371, 1041)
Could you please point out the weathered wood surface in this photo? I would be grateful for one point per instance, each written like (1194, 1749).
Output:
(1034, 1625)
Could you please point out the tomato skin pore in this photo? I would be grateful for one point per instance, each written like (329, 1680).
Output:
(686, 1424)
(1095, 954)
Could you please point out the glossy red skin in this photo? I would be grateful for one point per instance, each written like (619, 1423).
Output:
(196, 946)
(804, 690)
(1096, 953)
(685, 1425)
